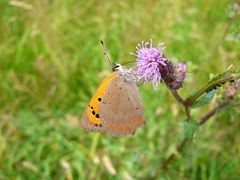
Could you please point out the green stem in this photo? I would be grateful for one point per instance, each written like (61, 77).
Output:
(178, 97)
(183, 102)
(188, 112)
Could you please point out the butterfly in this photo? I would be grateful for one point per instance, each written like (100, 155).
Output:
(116, 107)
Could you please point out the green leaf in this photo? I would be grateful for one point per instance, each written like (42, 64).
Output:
(221, 75)
(205, 99)
(219, 78)
(190, 128)
(236, 75)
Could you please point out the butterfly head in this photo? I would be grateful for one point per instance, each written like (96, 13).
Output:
(117, 67)
(127, 73)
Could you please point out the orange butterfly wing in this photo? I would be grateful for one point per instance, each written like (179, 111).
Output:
(90, 119)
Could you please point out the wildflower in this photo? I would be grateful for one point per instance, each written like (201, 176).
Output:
(154, 67)
(149, 59)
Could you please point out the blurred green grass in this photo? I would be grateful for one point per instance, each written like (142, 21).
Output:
(51, 63)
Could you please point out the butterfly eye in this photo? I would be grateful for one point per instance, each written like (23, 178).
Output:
(115, 67)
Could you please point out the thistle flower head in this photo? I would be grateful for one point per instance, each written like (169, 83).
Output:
(152, 66)
(149, 60)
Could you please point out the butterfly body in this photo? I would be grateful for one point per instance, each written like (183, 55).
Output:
(116, 107)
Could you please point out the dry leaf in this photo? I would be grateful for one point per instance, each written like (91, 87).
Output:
(21, 4)
(72, 120)
(108, 165)
(158, 111)
(29, 166)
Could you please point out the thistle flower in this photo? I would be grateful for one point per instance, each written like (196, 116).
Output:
(152, 66)
(149, 60)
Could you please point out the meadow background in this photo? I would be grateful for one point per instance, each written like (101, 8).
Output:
(51, 63)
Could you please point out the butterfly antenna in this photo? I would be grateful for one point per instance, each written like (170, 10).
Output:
(106, 55)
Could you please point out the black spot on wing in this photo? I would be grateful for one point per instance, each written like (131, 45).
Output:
(97, 116)
(98, 125)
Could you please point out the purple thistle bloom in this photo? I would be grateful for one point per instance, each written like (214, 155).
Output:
(152, 66)
(149, 60)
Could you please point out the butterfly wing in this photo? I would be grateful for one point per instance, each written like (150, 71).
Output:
(91, 120)
(121, 108)
(86, 124)
(115, 109)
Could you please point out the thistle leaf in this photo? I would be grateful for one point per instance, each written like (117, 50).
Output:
(212, 85)
(205, 99)
(190, 128)
(223, 74)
